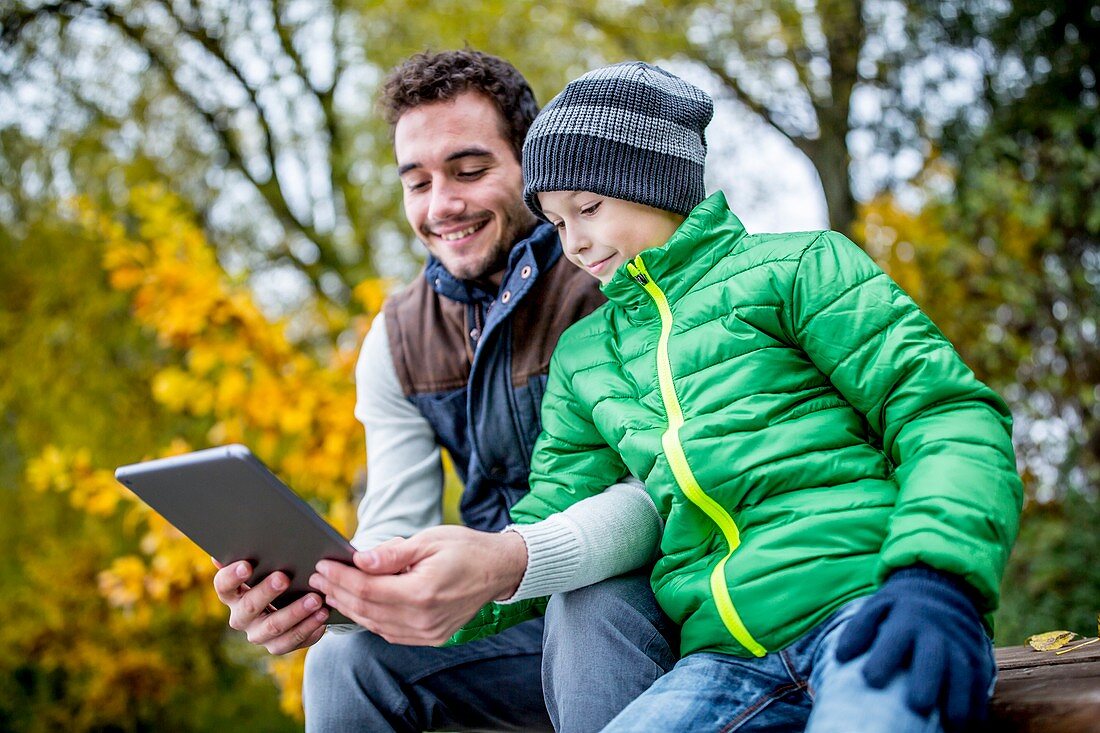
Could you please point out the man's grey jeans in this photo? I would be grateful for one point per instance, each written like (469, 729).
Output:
(597, 649)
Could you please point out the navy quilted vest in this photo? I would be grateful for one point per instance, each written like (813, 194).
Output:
(475, 363)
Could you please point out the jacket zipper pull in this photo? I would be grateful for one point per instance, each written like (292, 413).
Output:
(637, 274)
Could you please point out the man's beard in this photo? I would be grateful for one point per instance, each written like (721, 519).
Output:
(490, 263)
(516, 223)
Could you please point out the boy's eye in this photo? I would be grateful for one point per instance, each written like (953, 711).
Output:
(559, 225)
(591, 209)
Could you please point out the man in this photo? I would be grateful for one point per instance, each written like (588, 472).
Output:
(458, 360)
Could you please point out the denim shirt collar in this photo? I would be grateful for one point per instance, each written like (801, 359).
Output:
(538, 251)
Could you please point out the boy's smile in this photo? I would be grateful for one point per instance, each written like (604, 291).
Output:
(600, 233)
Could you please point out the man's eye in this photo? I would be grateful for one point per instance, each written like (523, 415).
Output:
(416, 185)
(470, 175)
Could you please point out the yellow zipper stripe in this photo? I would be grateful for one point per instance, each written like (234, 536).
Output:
(674, 451)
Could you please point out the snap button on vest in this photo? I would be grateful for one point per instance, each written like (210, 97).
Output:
(506, 296)
(525, 272)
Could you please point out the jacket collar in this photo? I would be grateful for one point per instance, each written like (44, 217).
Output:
(539, 250)
(707, 235)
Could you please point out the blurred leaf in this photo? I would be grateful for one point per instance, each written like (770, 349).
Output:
(1090, 642)
(1050, 640)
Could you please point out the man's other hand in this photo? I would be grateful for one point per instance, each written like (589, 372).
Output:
(419, 591)
(296, 626)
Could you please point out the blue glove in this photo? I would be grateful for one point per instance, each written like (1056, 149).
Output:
(924, 620)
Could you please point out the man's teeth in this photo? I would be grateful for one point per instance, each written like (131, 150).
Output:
(459, 235)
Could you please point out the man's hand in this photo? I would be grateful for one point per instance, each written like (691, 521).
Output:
(923, 620)
(296, 626)
(419, 591)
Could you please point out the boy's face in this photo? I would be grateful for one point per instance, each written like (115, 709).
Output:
(463, 189)
(599, 233)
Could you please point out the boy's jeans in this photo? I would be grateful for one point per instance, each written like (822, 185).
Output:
(801, 687)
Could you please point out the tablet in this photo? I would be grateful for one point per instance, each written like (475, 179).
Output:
(229, 504)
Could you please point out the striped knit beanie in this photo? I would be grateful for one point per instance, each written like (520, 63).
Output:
(629, 131)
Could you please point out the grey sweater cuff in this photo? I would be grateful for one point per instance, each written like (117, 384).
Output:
(601, 537)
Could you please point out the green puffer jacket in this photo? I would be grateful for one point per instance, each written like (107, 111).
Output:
(802, 426)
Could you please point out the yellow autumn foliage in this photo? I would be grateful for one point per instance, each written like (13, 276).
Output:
(945, 271)
(236, 369)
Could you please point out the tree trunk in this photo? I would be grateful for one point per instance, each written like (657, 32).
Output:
(845, 33)
(833, 162)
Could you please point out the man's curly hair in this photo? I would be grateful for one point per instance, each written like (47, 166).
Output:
(440, 77)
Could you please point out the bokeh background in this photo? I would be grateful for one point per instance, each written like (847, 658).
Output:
(199, 216)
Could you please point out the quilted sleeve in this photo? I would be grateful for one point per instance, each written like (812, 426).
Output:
(947, 434)
(494, 618)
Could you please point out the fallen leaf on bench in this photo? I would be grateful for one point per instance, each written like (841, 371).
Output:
(1050, 640)
(1072, 648)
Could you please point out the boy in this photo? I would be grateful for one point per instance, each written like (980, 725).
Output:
(839, 492)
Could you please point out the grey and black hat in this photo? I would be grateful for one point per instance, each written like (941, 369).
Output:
(630, 131)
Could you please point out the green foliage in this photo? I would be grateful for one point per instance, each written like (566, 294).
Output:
(75, 368)
(1052, 581)
(1007, 260)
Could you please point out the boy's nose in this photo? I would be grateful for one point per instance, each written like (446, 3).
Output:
(573, 243)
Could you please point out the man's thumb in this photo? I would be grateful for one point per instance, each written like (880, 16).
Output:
(389, 558)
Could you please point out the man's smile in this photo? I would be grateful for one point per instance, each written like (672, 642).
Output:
(457, 235)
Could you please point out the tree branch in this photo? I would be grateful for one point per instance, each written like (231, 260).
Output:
(339, 166)
(737, 90)
(217, 121)
(12, 21)
(214, 48)
(625, 39)
(339, 170)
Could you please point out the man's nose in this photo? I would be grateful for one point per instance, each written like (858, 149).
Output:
(445, 202)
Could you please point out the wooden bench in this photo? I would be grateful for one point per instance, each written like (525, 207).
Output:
(1040, 692)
